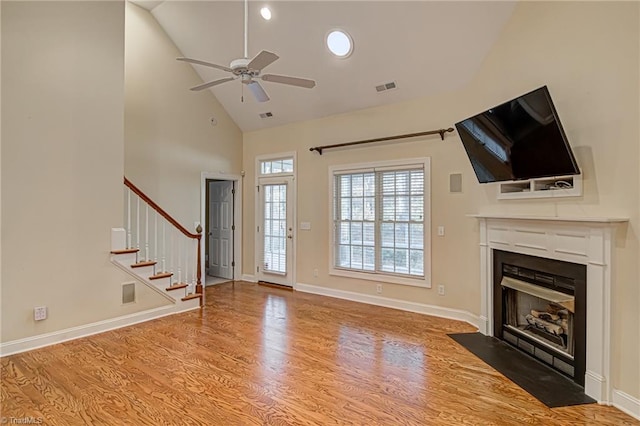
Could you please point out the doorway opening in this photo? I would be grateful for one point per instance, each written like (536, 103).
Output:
(221, 219)
(275, 218)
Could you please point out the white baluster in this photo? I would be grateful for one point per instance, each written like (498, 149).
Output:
(189, 262)
(128, 217)
(178, 258)
(146, 232)
(186, 264)
(164, 247)
(171, 265)
(190, 265)
(194, 263)
(138, 223)
(155, 238)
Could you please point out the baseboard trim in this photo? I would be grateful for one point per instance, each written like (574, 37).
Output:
(421, 308)
(249, 278)
(626, 403)
(595, 386)
(483, 326)
(48, 339)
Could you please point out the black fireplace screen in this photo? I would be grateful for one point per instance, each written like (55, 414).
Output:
(540, 308)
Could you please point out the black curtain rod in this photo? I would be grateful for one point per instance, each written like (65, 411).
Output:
(440, 132)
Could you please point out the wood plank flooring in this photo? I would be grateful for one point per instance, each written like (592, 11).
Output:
(262, 356)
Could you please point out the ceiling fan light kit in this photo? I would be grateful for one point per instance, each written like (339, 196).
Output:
(249, 70)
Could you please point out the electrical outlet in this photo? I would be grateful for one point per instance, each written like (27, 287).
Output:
(441, 290)
(379, 288)
(40, 313)
(315, 272)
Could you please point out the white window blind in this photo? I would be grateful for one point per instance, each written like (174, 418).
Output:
(274, 256)
(379, 217)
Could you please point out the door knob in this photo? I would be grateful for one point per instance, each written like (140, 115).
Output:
(290, 236)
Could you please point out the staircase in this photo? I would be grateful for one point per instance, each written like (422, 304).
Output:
(158, 251)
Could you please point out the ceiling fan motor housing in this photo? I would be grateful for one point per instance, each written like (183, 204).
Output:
(240, 66)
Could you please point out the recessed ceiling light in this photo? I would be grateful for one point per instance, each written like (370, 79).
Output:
(265, 12)
(340, 43)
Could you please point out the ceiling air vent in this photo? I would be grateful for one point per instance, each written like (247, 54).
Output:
(266, 114)
(386, 86)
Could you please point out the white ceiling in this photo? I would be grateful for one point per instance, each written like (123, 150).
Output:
(426, 47)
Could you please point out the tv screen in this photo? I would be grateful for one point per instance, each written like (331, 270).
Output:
(519, 139)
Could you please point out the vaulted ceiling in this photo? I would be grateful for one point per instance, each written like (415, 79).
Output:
(425, 47)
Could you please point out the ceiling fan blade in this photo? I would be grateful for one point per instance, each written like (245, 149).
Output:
(258, 91)
(206, 64)
(211, 84)
(261, 60)
(292, 81)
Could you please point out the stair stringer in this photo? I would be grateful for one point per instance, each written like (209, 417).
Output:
(142, 280)
(125, 261)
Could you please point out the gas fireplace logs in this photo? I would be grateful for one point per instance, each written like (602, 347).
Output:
(547, 316)
(554, 320)
(547, 326)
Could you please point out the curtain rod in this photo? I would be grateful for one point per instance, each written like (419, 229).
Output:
(440, 132)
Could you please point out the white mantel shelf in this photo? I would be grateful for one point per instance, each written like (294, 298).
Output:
(586, 219)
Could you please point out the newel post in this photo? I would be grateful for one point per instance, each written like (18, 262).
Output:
(199, 267)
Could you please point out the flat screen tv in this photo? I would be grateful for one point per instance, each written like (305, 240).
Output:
(519, 139)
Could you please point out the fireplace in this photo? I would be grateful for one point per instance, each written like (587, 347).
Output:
(540, 308)
(583, 241)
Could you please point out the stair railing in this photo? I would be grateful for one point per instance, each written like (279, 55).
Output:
(160, 238)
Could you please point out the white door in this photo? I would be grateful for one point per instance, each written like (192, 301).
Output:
(275, 230)
(221, 229)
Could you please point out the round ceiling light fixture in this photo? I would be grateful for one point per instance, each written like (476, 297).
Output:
(340, 43)
(265, 12)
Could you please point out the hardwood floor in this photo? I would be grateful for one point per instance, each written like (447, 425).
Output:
(262, 356)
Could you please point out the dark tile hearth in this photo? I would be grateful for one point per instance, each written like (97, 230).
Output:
(545, 384)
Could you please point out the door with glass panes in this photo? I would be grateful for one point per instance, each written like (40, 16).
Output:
(275, 230)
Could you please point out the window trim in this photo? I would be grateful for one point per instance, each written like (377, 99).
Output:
(425, 281)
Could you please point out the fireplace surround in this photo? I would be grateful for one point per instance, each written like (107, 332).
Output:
(583, 241)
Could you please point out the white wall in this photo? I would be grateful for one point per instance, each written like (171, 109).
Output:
(169, 139)
(587, 54)
(0, 172)
(62, 165)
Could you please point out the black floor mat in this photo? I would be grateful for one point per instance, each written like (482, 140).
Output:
(545, 384)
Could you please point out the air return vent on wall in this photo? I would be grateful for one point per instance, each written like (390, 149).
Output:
(128, 293)
(266, 115)
(386, 86)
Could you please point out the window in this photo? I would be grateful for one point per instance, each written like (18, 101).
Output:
(380, 223)
(339, 43)
(278, 166)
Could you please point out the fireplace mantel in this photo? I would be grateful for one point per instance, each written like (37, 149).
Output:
(583, 240)
(603, 220)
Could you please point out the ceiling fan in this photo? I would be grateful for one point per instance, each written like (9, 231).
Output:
(249, 70)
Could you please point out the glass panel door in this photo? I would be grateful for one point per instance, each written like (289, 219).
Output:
(275, 231)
